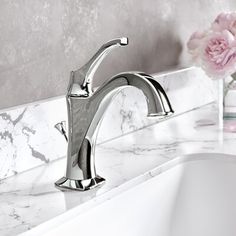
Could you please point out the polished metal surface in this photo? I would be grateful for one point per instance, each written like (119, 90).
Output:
(82, 185)
(86, 109)
(61, 127)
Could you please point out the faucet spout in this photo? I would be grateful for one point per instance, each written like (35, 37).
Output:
(158, 103)
(86, 109)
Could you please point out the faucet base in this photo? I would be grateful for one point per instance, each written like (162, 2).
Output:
(79, 185)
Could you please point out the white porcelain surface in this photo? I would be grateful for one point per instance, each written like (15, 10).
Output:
(28, 137)
(196, 197)
(30, 198)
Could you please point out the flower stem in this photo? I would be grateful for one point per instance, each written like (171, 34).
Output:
(226, 89)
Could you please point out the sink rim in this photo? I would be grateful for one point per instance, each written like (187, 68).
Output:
(109, 195)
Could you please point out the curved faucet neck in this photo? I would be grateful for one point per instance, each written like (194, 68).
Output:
(86, 113)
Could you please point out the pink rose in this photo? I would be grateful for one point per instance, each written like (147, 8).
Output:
(215, 48)
(218, 54)
(225, 21)
(194, 44)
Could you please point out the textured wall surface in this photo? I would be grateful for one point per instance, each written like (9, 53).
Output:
(42, 41)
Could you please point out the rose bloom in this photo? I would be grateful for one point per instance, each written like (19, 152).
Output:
(218, 54)
(194, 44)
(225, 21)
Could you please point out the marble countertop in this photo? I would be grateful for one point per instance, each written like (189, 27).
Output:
(30, 198)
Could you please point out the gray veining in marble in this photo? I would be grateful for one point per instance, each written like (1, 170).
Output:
(28, 137)
(124, 162)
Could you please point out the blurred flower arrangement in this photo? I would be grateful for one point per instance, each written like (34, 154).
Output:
(214, 49)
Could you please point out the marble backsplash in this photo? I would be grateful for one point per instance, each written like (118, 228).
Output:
(28, 137)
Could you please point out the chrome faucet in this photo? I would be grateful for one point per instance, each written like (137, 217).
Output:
(86, 108)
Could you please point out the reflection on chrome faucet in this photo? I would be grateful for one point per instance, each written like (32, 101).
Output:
(86, 108)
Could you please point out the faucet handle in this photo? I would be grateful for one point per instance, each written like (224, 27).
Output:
(81, 79)
(91, 66)
(61, 127)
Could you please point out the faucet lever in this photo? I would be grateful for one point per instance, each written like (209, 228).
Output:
(61, 127)
(82, 78)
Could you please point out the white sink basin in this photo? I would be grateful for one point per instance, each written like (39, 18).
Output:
(194, 198)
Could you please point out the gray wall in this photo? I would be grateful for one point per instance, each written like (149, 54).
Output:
(42, 41)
